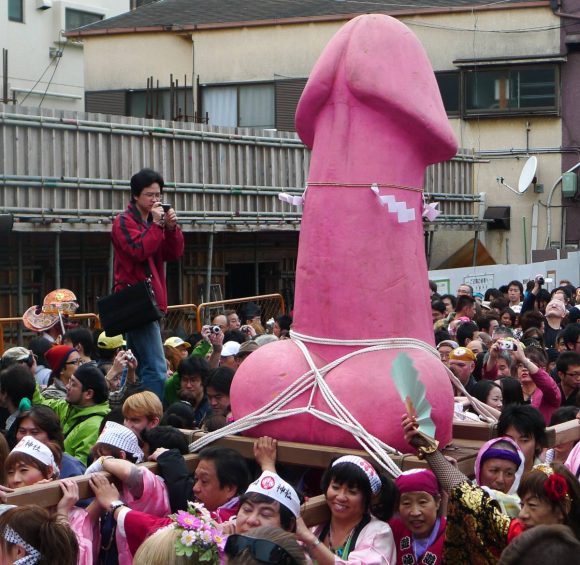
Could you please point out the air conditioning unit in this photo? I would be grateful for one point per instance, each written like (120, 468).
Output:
(43, 4)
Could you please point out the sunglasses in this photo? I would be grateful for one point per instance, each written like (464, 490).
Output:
(262, 550)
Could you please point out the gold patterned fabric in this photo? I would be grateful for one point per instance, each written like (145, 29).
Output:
(477, 530)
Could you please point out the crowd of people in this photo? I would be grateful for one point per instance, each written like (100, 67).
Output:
(78, 403)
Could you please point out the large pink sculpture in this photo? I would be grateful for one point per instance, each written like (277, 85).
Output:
(372, 113)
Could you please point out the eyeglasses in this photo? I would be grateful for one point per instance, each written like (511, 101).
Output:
(573, 374)
(262, 550)
(78, 361)
(152, 194)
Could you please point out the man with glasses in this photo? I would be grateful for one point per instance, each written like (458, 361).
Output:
(145, 236)
(568, 368)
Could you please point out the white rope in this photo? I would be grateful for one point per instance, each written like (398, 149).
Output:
(314, 380)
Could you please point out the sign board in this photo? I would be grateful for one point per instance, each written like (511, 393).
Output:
(443, 286)
(480, 283)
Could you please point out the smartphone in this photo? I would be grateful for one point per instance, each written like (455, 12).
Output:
(166, 207)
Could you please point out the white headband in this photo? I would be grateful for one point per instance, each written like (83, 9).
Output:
(366, 468)
(271, 485)
(33, 555)
(31, 446)
(121, 437)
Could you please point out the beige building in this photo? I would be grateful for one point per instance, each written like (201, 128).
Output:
(500, 67)
(41, 67)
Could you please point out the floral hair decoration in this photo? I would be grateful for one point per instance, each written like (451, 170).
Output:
(198, 533)
(556, 486)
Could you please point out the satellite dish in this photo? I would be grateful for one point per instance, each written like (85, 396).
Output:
(527, 176)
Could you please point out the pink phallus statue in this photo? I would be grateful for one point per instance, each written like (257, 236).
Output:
(372, 114)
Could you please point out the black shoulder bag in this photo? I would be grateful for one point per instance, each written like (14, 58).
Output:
(130, 308)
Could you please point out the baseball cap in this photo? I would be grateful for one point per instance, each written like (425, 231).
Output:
(16, 354)
(176, 342)
(462, 354)
(106, 342)
(230, 348)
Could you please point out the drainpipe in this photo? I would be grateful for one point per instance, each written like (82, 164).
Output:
(555, 5)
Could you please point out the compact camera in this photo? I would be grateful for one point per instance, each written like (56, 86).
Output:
(507, 344)
(166, 207)
(541, 280)
(215, 329)
(129, 355)
(245, 329)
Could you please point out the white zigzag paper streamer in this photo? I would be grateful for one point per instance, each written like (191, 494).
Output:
(430, 211)
(292, 200)
(404, 214)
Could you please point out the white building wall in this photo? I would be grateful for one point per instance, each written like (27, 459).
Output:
(29, 44)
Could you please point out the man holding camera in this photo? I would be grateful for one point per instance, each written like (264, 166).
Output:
(145, 236)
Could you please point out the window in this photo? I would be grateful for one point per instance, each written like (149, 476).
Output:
(511, 91)
(449, 85)
(79, 18)
(157, 104)
(245, 105)
(15, 11)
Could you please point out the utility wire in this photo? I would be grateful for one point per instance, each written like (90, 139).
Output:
(61, 47)
(34, 85)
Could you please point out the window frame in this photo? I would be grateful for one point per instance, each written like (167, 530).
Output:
(237, 86)
(68, 9)
(17, 21)
(459, 112)
(510, 112)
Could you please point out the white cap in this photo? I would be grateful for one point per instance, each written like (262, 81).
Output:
(230, 348)
(271, 485)
(31, 446)
(121, 437)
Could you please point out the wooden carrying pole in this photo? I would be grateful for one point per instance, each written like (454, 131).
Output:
(315, 511)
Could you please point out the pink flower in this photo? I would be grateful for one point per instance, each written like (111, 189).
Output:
(187, 520)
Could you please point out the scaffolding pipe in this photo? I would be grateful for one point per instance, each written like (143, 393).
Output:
(57, 260)
(209, 266)
(20, 282)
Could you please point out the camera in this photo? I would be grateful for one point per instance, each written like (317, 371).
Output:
(129, 355)
(166, 207)
(215, 329)
(507, 344)
(541, 280)
(245, 329)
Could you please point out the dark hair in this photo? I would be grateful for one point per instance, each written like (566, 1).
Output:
(353, 476)
(442, 335)
(180, 414)
(499, 303)
(231, 468)
(194, 365)
(46, 419)
(285, 321)
(510, 313)
(39, 346)
(53, 538)
(570, 334)
(503, 330)
(221, 379)
(17, 382)
(287, 519)
(534, 481)
(433, 285)
(464, 301)
(512, 391)
(167, 437)
(484, 321)
(533, 337)
(564, 414)
(143, 179)
(527, 420)
(537, 355)
(451, 298)
(439, 305)
(532, 320)
(80, 336)
(235, 335)
(115, 415)
(567, 359)
(465, 332)
(482, 389)
(518, 284)
(563, 289)
(543, 296)
(492, 293)
(95, 381)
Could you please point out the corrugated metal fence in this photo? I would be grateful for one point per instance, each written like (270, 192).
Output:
(72, 168)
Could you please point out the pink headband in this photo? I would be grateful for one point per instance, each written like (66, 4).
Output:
(366, 468)
(416, 480)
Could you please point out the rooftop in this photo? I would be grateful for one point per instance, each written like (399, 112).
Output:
(188, 15)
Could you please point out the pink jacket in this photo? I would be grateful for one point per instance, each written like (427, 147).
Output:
(547, 397)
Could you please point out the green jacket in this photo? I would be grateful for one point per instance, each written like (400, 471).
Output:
(80, 425)
(173, 383)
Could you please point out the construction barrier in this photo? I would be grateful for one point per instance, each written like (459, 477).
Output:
(271, 306)
(180, 320)
(13, 332)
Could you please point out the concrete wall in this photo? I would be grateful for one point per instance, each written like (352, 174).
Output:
(28, 45)
(270, 52)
